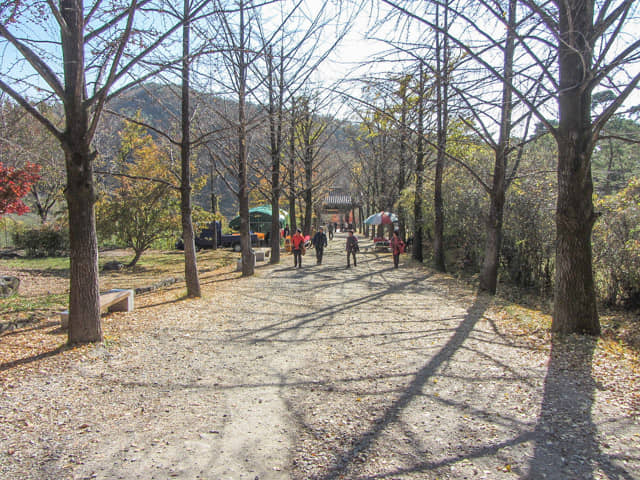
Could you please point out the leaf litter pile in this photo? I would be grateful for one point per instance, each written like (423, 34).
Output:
(319, 373)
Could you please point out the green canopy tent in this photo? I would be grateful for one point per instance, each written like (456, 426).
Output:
(260, 219)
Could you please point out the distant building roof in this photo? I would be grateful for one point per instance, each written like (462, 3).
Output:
(338, 199)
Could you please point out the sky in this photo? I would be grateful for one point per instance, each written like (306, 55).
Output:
(350, 60)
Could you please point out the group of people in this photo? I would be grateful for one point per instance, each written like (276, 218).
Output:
(319, 242)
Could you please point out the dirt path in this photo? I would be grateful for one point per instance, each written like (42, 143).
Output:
(320, 373)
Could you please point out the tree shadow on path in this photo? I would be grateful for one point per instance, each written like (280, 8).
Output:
(565, 442)
(392, 413)
(294, 323)
(33, 358)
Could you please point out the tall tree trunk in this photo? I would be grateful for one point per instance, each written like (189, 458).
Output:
(308, 195)
(292, 169)
(300, 209)
(306, 132)
(84, 294)
(418, 232)
(402, 170)
(308, 212)
(274, 238)
(493, 242)
(190, 265)
(292, 200)
(575, 299)
(275, 137)
(214, 207)
(442, 67)
(243, 183)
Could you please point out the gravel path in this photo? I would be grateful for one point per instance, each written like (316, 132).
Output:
(322, 373)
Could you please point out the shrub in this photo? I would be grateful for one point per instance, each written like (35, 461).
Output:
(529, 234)
(45, 241)
(616, 246)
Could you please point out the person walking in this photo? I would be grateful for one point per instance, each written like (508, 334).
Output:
(352, 248)
(297, 244)
(319, 241)
(331, 231)
(397, 247)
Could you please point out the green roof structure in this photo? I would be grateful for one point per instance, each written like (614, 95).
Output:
(260, 219)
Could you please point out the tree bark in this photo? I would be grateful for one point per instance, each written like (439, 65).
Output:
(84, 295)
(136, 258)
(402, 155)
(214, 207)
(575, 308)
(416, 248)
(493, 243)
(292, 168)
(308, 197)
(190, 264)
(275, 137)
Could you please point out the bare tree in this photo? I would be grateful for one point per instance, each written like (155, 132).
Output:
(292, 51)
(442, 125)
(239, 51)
(591, 49)
(291, 167)
(276, 93)
(418, 234)
(79, 68)
(190, 265)
(310, 133)
(192, 12)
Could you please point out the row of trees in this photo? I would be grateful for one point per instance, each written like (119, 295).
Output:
(76, 57)
(477, 79)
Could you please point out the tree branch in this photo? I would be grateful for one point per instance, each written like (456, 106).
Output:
(35, 61)
(32, 110)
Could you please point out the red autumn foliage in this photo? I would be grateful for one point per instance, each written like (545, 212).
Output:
(14, 185)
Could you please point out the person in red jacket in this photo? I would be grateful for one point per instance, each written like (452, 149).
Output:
(297, 244)
(397, 247)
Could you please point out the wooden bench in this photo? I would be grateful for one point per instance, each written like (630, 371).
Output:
(116, 300)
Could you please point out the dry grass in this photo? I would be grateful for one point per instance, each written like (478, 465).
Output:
(44, 283)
